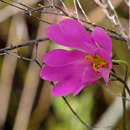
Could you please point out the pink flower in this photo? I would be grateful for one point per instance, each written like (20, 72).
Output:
(77, 68)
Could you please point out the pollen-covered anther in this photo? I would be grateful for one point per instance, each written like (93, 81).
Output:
(97, 62)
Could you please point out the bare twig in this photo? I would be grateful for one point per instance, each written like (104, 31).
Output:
(28, 12)
(77, 116)
(124, 95)
(12, 5)
(65, 7)
(111, 13)
(86, 17)
(27, 43)
(76, 10)
(123, 92)
(117, 21)
(20, 57)
(32, 78)
(122, 81)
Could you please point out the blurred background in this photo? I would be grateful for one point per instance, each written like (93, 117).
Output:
(26, 101)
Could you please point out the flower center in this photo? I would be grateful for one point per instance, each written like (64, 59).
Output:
(97, 62)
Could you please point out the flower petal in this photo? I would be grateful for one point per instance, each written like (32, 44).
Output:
(66, 86)
(90, 76)
(57, 73)
(78, 89)
(105, 74)
(60, 57)
(60, 73)
(102, 39)
(72, 34)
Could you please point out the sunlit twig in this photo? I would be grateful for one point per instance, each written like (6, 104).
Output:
(28, 12)
(86, 17)
(111, 13)
(65, 7)
(76, 9)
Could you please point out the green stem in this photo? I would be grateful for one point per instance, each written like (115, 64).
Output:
(123, 92)
(124, 108)
(123, 100)
(122, 81)
(121, 62)
(76, 115)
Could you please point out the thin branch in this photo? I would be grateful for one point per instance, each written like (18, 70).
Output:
(75, 114)
(113, 34)
(27, 43)
(78, 117)
(123, 92)
(122, 30)
(20, 57)
(111, 13)
(86, 17)
(124, 108)
(122, 81)
(12, 5)
(123, 100)
(65, 7)
(38, 63)
(118, 95)
(26, 11)
(76, 9)
(19, 3)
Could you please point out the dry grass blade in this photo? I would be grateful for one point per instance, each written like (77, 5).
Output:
(109, 118)
(9, 65)
(84, 13)
(41, 111)
(127, 2)
(31, 83)
(9, 11)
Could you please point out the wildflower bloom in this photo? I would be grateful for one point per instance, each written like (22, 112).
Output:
(89, 61)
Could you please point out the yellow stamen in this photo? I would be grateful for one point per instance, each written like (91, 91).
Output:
(97, 62)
